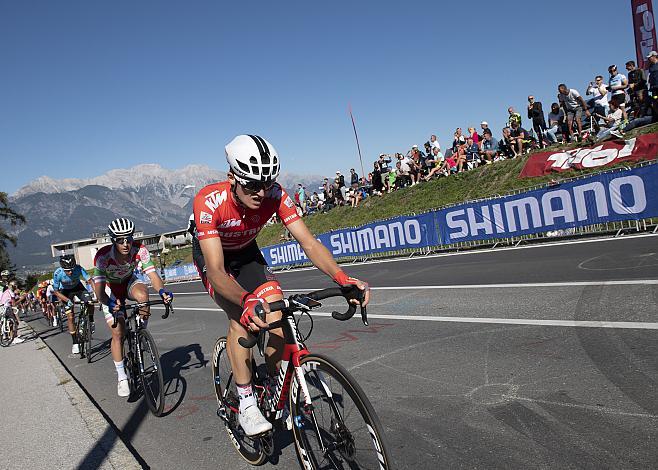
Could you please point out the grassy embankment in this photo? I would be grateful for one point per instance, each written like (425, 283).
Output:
(497, 179)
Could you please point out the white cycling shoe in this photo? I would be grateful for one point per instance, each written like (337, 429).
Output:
(75, 349)
(17, 340)
(253, 422)
(123, 388)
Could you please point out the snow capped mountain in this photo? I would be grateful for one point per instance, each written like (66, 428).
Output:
(157, 199)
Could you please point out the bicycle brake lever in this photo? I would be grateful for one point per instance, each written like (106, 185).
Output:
(364, 316)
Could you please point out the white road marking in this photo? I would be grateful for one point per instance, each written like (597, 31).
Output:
(501, 321)
(645, 282)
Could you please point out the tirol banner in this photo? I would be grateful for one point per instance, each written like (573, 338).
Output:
(608, 197)
(645, 30)
(398, 233)
(644, 147)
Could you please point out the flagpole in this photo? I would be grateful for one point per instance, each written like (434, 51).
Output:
(358, 147)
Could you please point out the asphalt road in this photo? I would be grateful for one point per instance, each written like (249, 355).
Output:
(471, 361)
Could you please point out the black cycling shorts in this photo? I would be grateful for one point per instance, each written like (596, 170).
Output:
(247, 267)
(78, 291)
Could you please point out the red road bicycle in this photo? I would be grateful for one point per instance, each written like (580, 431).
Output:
(333, 423)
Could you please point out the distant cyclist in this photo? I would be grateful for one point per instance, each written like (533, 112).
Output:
(68, 286)
(114, 266)
(7, 299)
(228, 215)
(51, 299)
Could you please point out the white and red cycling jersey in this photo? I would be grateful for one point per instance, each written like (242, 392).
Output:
(218, 215)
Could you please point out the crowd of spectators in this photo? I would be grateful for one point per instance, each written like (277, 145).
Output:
(609, 110)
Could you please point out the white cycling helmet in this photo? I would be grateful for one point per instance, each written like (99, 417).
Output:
(121, 227)
(252, 158)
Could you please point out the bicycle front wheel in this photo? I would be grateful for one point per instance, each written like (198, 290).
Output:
(341, 429)
(250, 448)
(151, 373)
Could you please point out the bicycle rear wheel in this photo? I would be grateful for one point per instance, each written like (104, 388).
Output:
(151, 373)
(342, 430)
(250, 448)
(6, 331)
(81, 331)
(61, 318)
(88, 338)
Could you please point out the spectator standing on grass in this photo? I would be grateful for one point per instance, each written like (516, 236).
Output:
(573, 105)
(340, 179)
(354, 177)
(617, 84)
(383, 163)
(598, 104)
(484, 125)
(536, 114)
(513, 116)
(301, 196)
(376, 180)
(489, 147)
(652, 81)
(637, 89)
(555, 122)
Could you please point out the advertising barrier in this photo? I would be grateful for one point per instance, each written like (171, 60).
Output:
(394, 234)
(644, 147)
(181, 272)
(609, 197)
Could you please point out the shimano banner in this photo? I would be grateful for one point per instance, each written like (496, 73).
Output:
(624, 195)
(180, 272)
(398, 233)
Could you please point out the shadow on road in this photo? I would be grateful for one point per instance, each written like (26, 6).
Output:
(97, 454)
(172, 363)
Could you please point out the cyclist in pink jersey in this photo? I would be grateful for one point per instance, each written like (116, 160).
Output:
(227, 218)
(114, 267)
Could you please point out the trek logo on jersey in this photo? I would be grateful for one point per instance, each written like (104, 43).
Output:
(230, 223)
(205, 218)
(215, 199)
(288, 202)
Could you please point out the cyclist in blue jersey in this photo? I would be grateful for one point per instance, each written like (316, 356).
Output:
(67, 285)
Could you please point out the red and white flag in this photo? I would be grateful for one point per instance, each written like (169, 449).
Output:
(645, 30)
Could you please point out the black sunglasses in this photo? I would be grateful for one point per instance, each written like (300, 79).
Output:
(123, 240)
(256, 186)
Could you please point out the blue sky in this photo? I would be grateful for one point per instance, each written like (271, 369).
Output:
(88, 86)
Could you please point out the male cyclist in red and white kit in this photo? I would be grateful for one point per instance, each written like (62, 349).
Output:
(228, 215)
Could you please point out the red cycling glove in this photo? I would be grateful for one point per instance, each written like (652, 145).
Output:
(343, 279)
(249, 304)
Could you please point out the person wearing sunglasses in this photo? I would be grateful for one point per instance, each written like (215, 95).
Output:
(67, 285)
(114, 267)
(228, 216)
